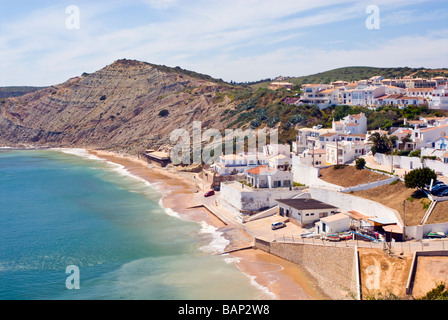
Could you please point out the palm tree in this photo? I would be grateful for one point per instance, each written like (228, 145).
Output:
(382, 143)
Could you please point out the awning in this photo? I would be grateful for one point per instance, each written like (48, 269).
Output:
(378, 222)
(393, 229)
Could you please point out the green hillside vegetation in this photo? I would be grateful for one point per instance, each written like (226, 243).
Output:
(351, 74)
(261, 108)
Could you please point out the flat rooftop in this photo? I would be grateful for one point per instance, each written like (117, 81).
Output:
(305, 204)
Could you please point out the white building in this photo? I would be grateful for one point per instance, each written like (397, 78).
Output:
(280, 162)
(233, 164)
(308, 138)
(425, 93)
(342, 152)
(321, 95)
(400, 100)
(314, 158)
(333, 224)
(439, 99)
(267, 177)
(276, 149)
(424, 137)
(351, 124)
(305, 212)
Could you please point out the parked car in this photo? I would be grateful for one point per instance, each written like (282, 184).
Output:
(439, 188)
(209, 193)
(443, 193)
(435, 184)
(217, 188)
(278, 225)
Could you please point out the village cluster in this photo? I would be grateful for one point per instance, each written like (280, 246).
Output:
(285, 180)
(374, 92)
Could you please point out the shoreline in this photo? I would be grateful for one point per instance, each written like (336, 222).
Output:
(278, 278)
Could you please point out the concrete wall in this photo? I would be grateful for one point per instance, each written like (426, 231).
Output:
(347, 202)
(411, 278)
(420, 231)
(242, 199)
(370, 185)
(309, 176)
(333, 267)
(410, 163)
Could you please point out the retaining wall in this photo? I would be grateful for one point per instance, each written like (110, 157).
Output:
(310, 177)
(239, 198)
(410, 163)
(411, 278)
(420, 231)
(347, 202)
(335, 268)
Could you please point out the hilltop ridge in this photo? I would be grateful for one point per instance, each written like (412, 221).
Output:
(128, 105)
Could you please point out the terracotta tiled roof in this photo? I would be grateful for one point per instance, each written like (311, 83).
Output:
(260, 170)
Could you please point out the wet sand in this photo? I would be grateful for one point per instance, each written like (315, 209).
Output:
(283, 279)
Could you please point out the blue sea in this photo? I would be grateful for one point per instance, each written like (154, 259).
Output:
(67, 218)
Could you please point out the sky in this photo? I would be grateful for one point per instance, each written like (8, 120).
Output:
(47, 42)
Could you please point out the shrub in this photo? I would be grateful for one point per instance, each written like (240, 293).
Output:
(164, 113)
(360, 163)
(419, 178)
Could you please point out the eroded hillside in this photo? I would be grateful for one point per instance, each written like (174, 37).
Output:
(128, 105)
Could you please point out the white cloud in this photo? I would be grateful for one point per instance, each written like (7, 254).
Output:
(160, 4)
(233, 39)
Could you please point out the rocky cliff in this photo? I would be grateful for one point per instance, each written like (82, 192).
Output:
(128, 105)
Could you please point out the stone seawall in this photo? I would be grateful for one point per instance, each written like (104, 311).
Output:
(334, 268)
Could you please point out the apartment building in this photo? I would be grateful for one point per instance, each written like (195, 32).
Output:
(439, 99)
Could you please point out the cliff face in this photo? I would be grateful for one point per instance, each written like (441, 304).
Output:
(128, 105)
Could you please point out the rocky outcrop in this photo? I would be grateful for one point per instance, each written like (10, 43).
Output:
(128, 105)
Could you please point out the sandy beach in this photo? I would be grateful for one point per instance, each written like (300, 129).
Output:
(282, 279)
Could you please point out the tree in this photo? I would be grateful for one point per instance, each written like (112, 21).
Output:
(404, 141)
(381, 143)
(360, 163)
(419, 178)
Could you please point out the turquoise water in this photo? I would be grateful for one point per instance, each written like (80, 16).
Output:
(59, 209)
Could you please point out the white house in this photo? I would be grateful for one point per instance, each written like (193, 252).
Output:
(276, 149)
(280, 162)
(314, 158)
(342, 152)
(321, 95)
(308, 138)
(441, 143)
(439, 99)
(351, 124)
(333, 224)
(305, 212)
(366, 96)
(400, 100)
(231, 164)
(424, 137)
(425, 93)
(268, 177)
